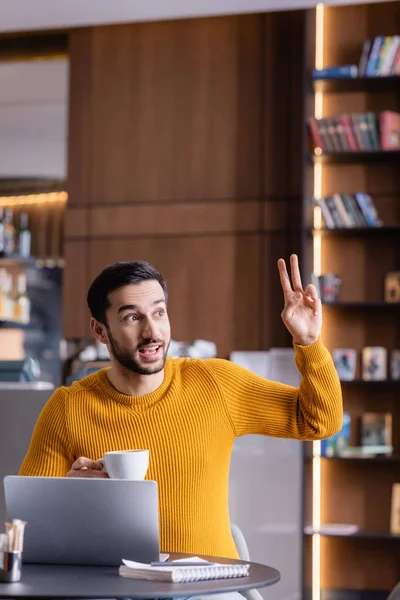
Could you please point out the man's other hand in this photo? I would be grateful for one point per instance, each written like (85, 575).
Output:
(85, 467)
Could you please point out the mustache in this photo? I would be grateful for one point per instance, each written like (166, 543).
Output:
(150, 343)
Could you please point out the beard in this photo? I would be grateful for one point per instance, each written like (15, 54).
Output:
(127, 360)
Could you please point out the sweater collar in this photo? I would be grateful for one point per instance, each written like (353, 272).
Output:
(146, 399)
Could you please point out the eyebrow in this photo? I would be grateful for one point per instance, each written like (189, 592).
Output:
(135, 306)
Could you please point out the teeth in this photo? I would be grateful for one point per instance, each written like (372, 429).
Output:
(150, 350)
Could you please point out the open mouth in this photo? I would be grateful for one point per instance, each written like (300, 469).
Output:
(151, 351)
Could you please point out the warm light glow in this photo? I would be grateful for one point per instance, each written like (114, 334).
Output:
(47, 198)
(317, 262)
(318, 181)
(317, 217)
(318, 105)
(316, 572)
(319, 36)
(317, 266)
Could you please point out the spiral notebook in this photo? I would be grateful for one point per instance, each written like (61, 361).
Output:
(182, 574)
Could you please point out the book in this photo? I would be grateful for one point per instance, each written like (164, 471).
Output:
(376, 430)
(395, 510)
(337, 72)
(182, 574)
(345, 361)
(336, 444)
(334, 529)
(366, 451)
(362, 67)
(390, 130)
(373, 59)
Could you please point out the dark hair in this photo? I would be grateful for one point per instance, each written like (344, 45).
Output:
(116, 276)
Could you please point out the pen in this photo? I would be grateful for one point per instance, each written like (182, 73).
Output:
(181, 564)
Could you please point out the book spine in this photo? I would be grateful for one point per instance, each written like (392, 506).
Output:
(373, 60)
(316, 135)
(357, 222)
(373, 130)
(341, 132)
(333, 134)
(362, 203)
(344, 215)
(357, 131)
(334, 212)
(383, 54)
(329, 222)
(390, 130)
(391, 55)
(323, 130)
(364, 58)
(357, 211)
(396, 64)
(337, 72)
(348, 130)
(364, 129)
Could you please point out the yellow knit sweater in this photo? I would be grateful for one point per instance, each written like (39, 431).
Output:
(189, 424)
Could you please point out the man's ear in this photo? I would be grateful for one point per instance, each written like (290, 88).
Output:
(99, 331)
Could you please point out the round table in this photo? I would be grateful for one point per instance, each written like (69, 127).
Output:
(61, 581)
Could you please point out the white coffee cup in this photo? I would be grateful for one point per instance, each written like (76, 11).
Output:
(126, 464)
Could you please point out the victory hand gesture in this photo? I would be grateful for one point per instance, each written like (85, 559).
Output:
(302, 313)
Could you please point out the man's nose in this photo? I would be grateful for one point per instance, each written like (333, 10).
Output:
(150, 329)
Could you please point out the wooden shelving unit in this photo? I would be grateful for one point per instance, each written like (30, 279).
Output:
(364, 305)
(357, 84)
(365, 459)
(372, 156)
(353, 489)
(358, 231)
(359, 535)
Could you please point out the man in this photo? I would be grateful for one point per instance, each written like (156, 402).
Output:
(186, 412)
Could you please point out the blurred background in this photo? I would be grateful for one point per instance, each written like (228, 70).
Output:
(211, 139)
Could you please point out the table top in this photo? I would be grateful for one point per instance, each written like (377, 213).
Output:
(59, 581)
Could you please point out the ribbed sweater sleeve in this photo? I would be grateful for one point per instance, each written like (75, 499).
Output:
(256, 405)
(49, 453)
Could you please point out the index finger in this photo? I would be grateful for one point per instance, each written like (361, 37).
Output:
(285, 281)
(83, 462)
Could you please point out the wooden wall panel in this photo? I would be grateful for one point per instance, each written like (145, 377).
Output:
(213, 283)
(76, 224)
(172, 219)
(191, 128)
(179, 108)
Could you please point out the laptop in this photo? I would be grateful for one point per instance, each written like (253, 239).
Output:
(85, 521)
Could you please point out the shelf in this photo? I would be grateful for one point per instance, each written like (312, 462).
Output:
(357, 84)
(356, 231)
(355, 157)
(12, 325)
(363, 382)
(16, 261)
(366, 459)
(363, 305)
(361, 535)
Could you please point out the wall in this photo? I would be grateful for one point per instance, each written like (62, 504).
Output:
(185, 143)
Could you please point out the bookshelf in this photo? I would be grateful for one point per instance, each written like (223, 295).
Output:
(352, 489)
(357, 231)
(357, 84)
(361, 535)
(355, 157)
